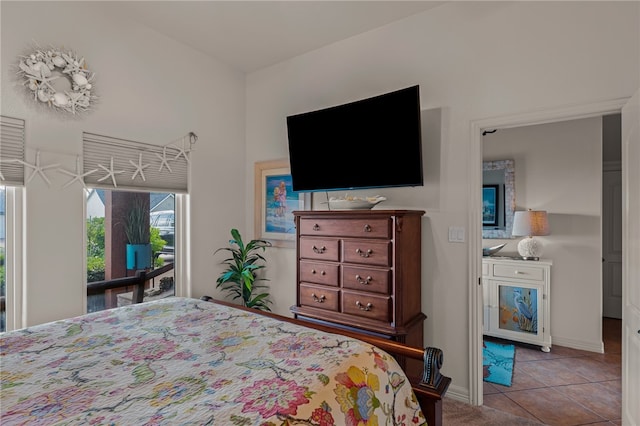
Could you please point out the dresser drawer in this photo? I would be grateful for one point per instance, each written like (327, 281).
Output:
(321, 273)
(319, 297)
(365, 228)
(520, 272)
(366, 305)
(367, 252)
(366, 279)
(316, 248)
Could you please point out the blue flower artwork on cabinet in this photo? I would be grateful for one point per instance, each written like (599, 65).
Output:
(281, 201)
(518, 309)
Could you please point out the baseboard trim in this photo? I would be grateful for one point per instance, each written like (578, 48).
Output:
(578, 344)
(458, 393)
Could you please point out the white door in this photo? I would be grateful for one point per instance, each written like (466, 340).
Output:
(631, 261)
(612, 244)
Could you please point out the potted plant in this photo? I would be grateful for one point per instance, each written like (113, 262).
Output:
(136, 228)
(240, 278)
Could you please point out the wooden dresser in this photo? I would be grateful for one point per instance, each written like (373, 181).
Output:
(360, 269)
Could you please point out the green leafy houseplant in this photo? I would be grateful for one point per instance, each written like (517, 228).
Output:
(240, 279)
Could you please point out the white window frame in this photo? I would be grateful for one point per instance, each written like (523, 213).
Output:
(182, 247)
(15, 274)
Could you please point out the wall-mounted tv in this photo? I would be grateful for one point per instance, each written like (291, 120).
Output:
(369, 143)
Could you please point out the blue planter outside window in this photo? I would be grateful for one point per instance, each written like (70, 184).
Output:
(138, 256)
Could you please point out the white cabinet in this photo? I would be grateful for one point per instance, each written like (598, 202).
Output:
(516, 296)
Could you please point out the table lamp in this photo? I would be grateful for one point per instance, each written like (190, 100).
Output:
(529, 224)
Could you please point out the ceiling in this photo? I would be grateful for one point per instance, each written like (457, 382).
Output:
(249, 35)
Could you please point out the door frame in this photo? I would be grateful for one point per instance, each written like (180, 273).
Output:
(543, 116)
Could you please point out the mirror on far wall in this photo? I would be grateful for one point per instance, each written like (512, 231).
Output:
(498, 198)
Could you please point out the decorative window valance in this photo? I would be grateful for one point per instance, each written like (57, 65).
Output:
(11, 151)
(112, 163)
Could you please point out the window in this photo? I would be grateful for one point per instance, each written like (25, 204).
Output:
(108, 251)
(3, 291)
(11, 235)
(156, 177)
(10, 258)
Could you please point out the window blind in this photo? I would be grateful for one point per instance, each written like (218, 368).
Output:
(11, 149)
(136, 165)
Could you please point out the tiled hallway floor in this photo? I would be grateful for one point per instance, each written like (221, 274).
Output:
(565, 386)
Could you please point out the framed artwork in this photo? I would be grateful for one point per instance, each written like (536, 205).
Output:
(518, 309)
(490, 201)
(275, 202)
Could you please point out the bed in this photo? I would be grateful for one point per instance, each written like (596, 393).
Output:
(182, 361)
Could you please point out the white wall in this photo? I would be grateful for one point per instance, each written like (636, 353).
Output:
(472, 60)
(151, 89)
(558, 168)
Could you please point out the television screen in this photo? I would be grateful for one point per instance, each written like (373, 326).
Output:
(370, 143)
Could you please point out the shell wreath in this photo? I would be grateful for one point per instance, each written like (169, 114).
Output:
(41, 68)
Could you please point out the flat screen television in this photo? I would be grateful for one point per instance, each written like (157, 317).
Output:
(369, 143)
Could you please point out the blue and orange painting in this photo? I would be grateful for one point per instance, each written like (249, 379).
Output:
(280, 201)
(518, 309)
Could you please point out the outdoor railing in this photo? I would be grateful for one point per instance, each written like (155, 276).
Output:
(137, 282)
(99, 287)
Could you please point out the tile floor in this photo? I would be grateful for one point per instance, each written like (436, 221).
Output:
(565, 386)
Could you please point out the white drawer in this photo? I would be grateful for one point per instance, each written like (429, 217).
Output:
(520, 272)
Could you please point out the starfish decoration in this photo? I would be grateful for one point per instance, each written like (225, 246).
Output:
(37, 168)
(182, 151)
(74, 65)
(110, 173)
(40, 78)
(163, 158)
(74, 100)
(78, 175)
(139, 168)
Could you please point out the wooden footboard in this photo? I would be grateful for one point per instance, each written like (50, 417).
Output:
(429, 389)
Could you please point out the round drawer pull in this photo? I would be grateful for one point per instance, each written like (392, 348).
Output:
(367, 228)
(361, 281)
(319, 250)
(316, 227)
(362, 307)
(318, 299)
(364, 253)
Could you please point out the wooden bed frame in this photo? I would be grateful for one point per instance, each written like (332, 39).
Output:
(429, 389)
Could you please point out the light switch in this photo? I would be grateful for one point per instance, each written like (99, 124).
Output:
(456, 234)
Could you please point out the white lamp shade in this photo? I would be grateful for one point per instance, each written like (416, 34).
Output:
(530, 223)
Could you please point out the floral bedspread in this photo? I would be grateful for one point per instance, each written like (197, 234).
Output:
(182, 361)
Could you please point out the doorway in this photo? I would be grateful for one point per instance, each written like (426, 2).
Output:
(568, 187)
(475, 164)
(612, 216)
